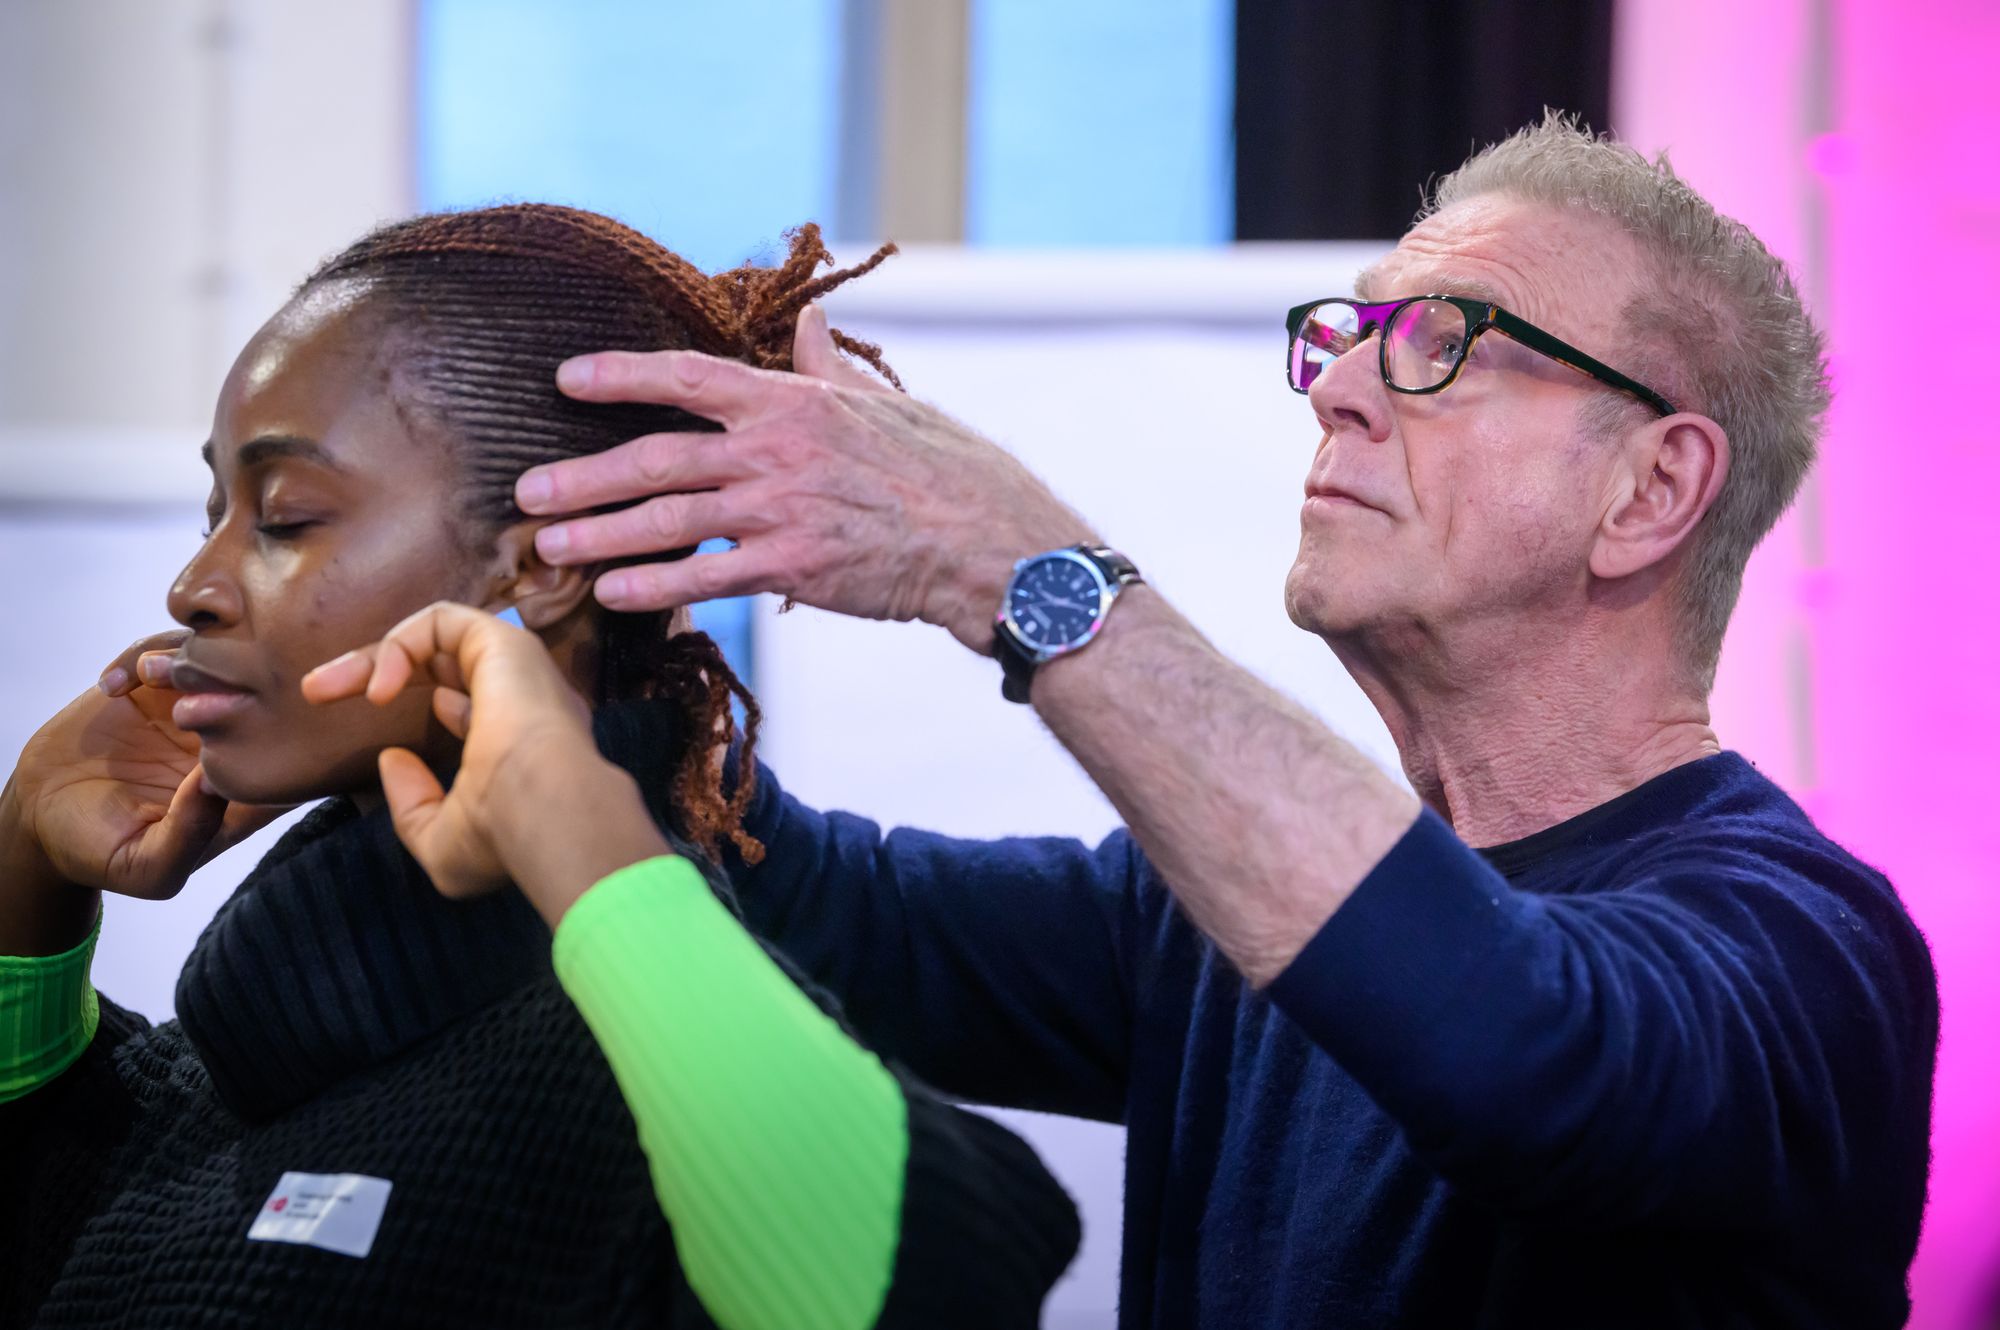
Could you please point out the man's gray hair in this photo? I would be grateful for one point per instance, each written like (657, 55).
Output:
(1717, 327)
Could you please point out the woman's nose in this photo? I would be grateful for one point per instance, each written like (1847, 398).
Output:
(206, 595)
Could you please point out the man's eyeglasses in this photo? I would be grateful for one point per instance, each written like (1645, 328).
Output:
(1424, 342)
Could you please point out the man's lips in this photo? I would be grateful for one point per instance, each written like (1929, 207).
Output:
(1334, 495)
(206, 698)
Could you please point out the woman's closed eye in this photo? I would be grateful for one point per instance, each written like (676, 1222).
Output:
(273, 526)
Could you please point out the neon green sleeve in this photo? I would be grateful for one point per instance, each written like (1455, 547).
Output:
(48, 1016)
(777, 1144)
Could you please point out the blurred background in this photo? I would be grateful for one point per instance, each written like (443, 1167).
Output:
(1105, 206)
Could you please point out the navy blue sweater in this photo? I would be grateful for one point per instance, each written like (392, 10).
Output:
(1668, 1063)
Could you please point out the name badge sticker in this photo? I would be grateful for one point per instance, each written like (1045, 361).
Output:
(337, 1212)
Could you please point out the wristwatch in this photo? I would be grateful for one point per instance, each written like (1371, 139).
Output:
(1055, 604)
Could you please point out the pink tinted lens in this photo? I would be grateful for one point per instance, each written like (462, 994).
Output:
(1327, 333)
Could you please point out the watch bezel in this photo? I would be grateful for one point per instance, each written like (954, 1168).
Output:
(1107, 591)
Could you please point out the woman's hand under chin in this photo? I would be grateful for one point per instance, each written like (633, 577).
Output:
(108, 795)
(533, 802)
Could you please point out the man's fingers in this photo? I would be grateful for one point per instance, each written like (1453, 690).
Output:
(651, 464)
(669, 522)
(728, 391)
(815, 356)
(743, 571)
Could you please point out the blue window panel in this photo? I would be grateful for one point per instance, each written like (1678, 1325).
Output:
(1105, 123)
(711, 127)
(728, 622)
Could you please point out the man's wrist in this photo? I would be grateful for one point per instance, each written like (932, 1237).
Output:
(980, 589)
(1139, 605)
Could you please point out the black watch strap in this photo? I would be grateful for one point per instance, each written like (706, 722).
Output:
(1017, 663)
(1017, 667)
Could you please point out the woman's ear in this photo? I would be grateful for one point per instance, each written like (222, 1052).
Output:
(540, 592)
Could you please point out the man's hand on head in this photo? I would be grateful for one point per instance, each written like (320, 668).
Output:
(838, 491)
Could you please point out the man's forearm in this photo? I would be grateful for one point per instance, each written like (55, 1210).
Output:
(1261, 819)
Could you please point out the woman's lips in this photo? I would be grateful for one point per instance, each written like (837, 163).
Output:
(199, 711)
(207, 699)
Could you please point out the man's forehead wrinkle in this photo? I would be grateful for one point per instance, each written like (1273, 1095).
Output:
(1446, 269)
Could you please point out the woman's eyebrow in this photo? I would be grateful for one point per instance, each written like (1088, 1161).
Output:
(271, 447)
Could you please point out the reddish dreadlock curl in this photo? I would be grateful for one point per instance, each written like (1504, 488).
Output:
(482, 306)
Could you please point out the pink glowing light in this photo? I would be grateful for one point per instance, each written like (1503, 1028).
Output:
(1861, 669)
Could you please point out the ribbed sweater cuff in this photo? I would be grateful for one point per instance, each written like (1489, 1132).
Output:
(986, 1229)
(48, 1016)
(1370, 985)
(777, 1144)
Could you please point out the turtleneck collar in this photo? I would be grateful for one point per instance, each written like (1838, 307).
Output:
(336, 954)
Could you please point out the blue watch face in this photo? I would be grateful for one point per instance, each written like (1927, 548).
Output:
(1054, 603)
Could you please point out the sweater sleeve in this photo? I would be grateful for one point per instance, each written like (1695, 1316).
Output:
(807, 1187)
(48, 1015)
(999, 971)
(1725, 1039)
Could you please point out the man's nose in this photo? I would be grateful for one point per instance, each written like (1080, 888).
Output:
(1349, 393)
(206, 594)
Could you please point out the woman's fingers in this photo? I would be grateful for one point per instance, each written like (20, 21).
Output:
(415, 798)
(123, 674)
(413, 793)
(156, 863)
(453, 710)
(343, 676)
(458, 861)
(425, 648)
(393, 668)
(239, 822)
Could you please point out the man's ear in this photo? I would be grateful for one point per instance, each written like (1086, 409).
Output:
(540, 592)
(1677, 466)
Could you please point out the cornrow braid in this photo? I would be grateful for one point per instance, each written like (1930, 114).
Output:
(480, 307)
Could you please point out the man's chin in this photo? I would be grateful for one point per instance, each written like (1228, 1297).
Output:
(1319, 610)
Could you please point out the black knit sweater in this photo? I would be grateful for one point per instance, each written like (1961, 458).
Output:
(339, 1016)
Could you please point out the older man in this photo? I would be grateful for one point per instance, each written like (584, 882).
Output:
(1654, 1052)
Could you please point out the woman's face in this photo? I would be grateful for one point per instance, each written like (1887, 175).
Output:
(332, 517)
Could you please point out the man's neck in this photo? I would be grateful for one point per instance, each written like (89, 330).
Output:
(1506, 739)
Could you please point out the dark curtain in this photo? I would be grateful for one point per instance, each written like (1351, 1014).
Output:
(1347, 109)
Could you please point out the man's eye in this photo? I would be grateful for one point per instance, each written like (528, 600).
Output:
(283, 530)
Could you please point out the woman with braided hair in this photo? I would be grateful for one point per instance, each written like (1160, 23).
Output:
(387, 1099)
